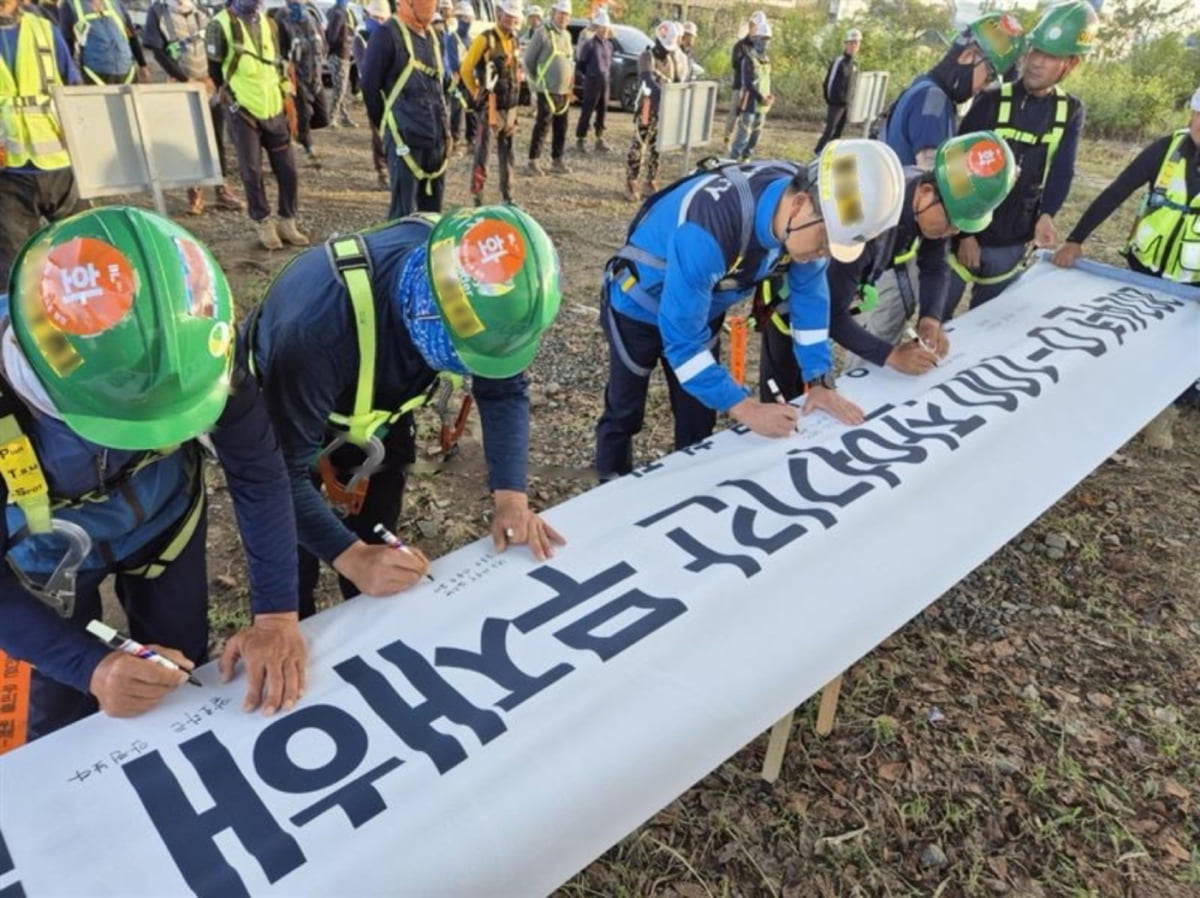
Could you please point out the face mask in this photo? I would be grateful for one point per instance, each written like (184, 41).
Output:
(418, 310)
(245, 9)
(760, 46)
(958, 79)
(295, 12)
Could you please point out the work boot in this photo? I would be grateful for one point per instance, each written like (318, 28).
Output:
(289, 233)
(227, 201)
(581, 146)
(1158, 434)
(651, 187)
(533, 169)
(631, 190)
(559, 167)
(348, 122)
(195, 200)
(268, 234)
(476, 200)
(601, 146)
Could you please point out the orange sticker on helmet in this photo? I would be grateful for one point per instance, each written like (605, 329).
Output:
(985, 159)
(87, 286)
(491, 252)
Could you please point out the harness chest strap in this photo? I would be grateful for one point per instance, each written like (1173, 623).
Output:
(1051, 138)
(540, 78)
(83, 25)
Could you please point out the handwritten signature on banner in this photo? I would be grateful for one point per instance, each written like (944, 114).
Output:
(603, 614)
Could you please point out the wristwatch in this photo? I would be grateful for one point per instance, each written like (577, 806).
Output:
(826, 380)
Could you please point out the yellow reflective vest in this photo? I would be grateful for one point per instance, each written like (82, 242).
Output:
(1166, 237)
(29, 128)
(254, 75)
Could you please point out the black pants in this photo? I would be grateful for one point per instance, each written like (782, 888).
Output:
(171, 610)
(250, 137)
(460, 114)
(218, 120)
(552, 120)
(409, 193)
(505, 128)
(595, 101)
(777, 362)
(835, 121)
(625, 393)
(385, 496)
(25, 199)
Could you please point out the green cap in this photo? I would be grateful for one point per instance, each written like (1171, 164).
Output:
(495, 277)
(1001, 38)
(127, 321)
(1068, 29)
(974, 173)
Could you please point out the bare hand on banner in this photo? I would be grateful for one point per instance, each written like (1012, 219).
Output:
(910, 357)
(514, 523)
(1045, 234)
(968, 252)
(933, 336)
(834, 403)
(767, 419)
(127, 685)
(379, 570)
(275, 656)
(1068, 254)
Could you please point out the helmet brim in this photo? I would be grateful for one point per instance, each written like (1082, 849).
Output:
(972, 225)
(178, 426)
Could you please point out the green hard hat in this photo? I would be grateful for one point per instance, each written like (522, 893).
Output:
(974, 173)
(1001, 38)
(1067, 29)
(495, 277)
(127, 321)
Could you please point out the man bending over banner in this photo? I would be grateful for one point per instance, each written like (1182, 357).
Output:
(705, 243)
(905, 269)
(354, 336)
(117, 360)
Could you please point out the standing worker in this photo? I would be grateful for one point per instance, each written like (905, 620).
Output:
(594, 66)
(550, 60)
(687, 48)
(245, 64)
(757, 97)
(462, 112)
(339, 42)
(535, 17)
(740, 48)
(491, 75)
(174, 34)
(36, 180)
(658, 65)
(375, 15)
(1042, 124)
(108, 391)
(101, 35)
(353, 337)
(1165, 239)
(703, 245)
(404, 90)
(839, 82)
(302, 44)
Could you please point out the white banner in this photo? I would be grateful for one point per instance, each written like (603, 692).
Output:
(494, 732)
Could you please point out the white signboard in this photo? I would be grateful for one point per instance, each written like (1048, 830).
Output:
(686, 114)
(495, 731)
(868, 99)
(132, 138)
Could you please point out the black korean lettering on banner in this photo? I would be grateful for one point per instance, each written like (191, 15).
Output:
(1055, 339)
(568, 592)
(703, 556)
(697, 447)
(1091, 321)
(493, 661)
(189, 834)
(800, 462)
(932, 424)
(773, 503)
(412, 723)
(1149, 304)
(7, 867)
(359, 798)
(582, 635)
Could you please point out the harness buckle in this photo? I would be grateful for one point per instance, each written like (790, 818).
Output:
(347, 498)
(59, 589)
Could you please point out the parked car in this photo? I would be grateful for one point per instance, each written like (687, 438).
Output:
(628, 44)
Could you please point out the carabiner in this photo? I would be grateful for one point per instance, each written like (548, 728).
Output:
(59, 590)
(347, 498)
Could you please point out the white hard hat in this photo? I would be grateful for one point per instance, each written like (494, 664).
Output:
(1196, 100)
(601, 19)
(561, 6)
(534, 10)
(853, 35)
(861, 186)
(464, 10)
(764, 30)
(437, 17)
(690, 28)
(512, 7)
(758, 19)
(667, 34)
(378, 9)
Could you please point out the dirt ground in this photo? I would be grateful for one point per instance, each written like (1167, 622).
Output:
(1036, 732)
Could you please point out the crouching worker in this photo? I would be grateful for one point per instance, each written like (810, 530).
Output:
(705, 243)
(118, 357)
(354, 336)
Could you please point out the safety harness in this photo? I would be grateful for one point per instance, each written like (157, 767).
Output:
(29, 490)
(83, 26)
(555, 38)
(1051, 140)
(436, 72)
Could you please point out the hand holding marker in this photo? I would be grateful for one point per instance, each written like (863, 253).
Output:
(113, 639)
(396, 543)
(777, 395)
(911, 334)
